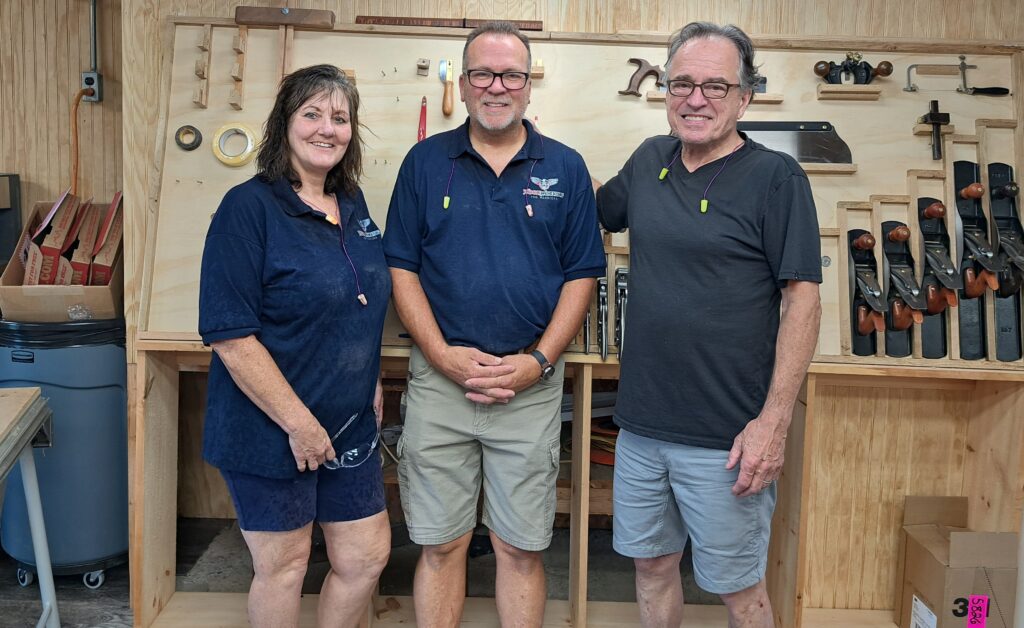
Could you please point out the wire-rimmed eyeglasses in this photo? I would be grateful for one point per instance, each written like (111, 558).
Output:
(355, 456)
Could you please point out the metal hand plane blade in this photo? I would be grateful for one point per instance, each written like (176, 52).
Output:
(807, 142)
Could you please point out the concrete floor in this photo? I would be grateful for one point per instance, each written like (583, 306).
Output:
(212, 557)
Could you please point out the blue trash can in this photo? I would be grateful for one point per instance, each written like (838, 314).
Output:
(83, 477)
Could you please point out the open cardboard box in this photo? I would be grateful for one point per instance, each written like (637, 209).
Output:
(942, 564)
(57, 304)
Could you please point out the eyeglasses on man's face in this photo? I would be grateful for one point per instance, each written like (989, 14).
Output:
(712, 89)
(482, 79)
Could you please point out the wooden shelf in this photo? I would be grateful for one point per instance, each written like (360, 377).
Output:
(767, 99)
(227, 610)
(918, 368)
(926, 129)
(848, 92)
(829, 168)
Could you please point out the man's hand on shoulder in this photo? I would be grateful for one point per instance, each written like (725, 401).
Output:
(501, 388)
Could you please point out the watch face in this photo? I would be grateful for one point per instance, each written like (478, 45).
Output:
(547, 371)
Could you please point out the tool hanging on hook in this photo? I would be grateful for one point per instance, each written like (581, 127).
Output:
(421, 132)
(445, 70)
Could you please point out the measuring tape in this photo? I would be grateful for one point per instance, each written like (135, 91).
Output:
(228, 131)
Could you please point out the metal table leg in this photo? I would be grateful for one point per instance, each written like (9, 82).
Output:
(50, 617)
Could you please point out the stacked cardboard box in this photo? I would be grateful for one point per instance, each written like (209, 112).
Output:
(943, 564)
(67, 265)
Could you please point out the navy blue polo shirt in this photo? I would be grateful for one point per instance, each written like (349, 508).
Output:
(493, 263)
(274, 268)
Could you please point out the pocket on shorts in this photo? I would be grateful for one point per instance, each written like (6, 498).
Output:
(400, 446)
(418, 365)
(555, 449)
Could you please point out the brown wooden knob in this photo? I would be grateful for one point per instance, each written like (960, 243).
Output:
(899, 234)
(935, 210)
(882, 69)
(821, 68)
(865, 242)
(974, 190)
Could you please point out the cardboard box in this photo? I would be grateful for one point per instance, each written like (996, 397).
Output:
(107, 248)
(55, 304)
(50, 239)
(81, 257)
(942, 564)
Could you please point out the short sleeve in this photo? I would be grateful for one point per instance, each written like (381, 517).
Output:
(231, 276)
(403, 229)
(790, 234)
(583, 250)
(613, 199)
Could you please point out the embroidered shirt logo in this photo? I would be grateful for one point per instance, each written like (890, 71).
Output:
(545, 190)
(367, 229)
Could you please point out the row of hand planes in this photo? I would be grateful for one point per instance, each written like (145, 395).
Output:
(603, 310)
(991, 258)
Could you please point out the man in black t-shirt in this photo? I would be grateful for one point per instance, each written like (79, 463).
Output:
(723, 238)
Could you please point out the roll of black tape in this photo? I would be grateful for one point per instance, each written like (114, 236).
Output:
(183, 133)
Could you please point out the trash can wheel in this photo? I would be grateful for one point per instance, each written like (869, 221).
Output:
(25, 577)
(94, 579)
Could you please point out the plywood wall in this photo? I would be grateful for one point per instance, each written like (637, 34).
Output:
(44, 48)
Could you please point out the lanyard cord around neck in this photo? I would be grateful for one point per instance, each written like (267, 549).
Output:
(704, 197)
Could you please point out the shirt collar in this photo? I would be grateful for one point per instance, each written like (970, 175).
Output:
(460, 144)
(295, 206)
(286, 194)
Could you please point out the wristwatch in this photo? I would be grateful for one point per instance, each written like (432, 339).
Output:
(546, 368)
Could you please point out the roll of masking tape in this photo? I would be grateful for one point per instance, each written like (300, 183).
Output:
(226, 132)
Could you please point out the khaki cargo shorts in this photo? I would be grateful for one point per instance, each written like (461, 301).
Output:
(451, 446)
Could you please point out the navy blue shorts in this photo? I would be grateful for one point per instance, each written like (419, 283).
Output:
(325, 495)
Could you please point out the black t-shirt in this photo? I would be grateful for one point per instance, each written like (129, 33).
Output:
(704, 288)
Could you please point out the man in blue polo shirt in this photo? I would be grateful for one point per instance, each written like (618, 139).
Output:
(494, 247)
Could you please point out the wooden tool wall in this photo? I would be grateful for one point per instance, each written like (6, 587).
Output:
(603, 125)
(147, 41)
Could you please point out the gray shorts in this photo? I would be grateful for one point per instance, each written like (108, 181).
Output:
(450, 445)
(664, 492)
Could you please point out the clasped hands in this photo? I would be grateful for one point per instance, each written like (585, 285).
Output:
(488, 378)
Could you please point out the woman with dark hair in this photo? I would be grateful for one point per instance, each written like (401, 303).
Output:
(293, 294)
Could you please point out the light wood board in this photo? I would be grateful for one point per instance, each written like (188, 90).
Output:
(883, 144)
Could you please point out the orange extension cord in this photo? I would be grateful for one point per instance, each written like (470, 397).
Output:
(87, 91)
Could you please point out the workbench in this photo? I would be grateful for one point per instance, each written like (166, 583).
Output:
(23, 413)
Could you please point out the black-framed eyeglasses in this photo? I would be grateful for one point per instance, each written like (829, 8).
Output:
(483, 79)
(712, 89)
